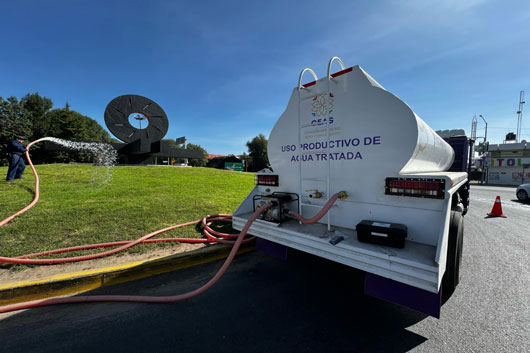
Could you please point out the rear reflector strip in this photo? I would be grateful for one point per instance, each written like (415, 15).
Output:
(267, 180)
(427, 188)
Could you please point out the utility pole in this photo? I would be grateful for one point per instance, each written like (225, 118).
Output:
(486, 132)
(484, 155)
(520, 116)
(472, 140)
(474, 128)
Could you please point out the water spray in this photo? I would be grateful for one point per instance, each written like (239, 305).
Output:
(106, 151)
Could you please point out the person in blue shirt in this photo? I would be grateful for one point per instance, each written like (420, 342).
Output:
(16, 162)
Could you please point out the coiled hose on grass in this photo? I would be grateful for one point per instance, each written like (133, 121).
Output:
(211, 236)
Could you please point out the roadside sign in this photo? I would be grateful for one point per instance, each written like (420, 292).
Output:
(238, 167)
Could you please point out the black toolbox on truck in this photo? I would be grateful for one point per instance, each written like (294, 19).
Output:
(382, 233)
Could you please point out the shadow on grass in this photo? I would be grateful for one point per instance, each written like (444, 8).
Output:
(31, 191)
(13, 267)
(221, 227)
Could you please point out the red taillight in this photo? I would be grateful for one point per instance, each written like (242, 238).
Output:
(429, 188)
(267, 180)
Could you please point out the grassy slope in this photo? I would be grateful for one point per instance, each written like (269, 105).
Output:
(76, 207)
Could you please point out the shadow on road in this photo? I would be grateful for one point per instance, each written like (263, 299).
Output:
(304, 304)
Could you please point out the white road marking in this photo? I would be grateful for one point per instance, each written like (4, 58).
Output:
(512, 204)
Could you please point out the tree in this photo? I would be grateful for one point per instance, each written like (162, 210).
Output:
(68, 124)
(257, 149)
(37, 107)
(197, 162)
(71, 125)
(31, 116)
(14, 120)
(245, 158)
(219, 162)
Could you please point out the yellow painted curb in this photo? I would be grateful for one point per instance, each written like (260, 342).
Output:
(73, 275)
(77, 282)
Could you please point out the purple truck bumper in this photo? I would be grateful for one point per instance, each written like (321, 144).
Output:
(377, 286)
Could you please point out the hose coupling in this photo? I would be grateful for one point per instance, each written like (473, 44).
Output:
(343, 195)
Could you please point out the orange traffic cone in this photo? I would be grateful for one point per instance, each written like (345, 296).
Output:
(496, 211)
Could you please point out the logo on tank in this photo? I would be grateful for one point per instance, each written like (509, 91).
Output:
(321, 108)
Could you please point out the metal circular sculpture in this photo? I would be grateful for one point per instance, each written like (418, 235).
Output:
(117, 118)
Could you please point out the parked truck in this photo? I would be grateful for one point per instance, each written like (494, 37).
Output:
(398, 213)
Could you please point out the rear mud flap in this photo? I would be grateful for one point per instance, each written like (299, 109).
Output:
(399, 293)
(271, 248)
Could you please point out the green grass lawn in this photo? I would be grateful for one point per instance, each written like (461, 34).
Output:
(78, 207)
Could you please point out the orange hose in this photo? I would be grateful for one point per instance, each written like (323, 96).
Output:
(25, 261)
(144, 299)
(36, 197)
(321, 213)
(212, 236)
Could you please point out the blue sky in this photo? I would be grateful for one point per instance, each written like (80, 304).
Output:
(223, 70)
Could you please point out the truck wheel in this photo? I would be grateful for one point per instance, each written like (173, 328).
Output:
(452, 273)
(522, 195)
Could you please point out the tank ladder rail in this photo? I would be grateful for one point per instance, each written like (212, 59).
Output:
(328, 107)
(300, 88)
(327, 101)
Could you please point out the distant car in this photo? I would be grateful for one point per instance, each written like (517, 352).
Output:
(522, 192)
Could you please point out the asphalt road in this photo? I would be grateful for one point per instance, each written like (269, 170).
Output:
(306, 305)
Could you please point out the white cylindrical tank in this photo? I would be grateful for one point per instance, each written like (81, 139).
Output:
(353, 129)
(349, 133)
(431, 154)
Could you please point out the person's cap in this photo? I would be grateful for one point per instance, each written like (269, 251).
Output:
(21, 137)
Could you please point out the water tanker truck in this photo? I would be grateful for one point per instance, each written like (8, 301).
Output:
(357, 177)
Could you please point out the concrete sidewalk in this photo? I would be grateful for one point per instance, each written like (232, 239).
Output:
(77, 282)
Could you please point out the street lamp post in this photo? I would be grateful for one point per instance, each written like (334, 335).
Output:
(484, 158)
(486, 131)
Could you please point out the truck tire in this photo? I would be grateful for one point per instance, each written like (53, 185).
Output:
(452, 273)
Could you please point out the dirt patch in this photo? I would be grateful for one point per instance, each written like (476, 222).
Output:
(44, 271)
